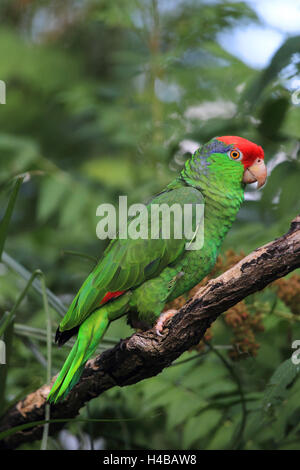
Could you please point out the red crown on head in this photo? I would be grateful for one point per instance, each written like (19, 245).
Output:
(250, 150)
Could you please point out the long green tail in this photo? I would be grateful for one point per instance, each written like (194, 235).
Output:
(89, 335)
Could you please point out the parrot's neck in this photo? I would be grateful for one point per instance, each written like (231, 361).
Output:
(223, 194)
(220, 211)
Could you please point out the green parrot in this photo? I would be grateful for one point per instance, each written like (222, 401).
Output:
(138, 276)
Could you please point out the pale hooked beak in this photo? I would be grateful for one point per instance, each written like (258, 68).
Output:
(256, 172)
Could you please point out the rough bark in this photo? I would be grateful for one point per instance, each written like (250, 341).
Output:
(146, 354)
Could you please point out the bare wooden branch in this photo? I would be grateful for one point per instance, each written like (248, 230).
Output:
(146, 354)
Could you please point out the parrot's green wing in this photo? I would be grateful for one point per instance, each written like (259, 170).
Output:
(127, 263)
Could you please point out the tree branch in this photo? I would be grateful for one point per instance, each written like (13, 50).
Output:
(145, 354)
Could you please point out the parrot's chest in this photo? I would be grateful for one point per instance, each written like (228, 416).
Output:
(193, 268)
(196, 264)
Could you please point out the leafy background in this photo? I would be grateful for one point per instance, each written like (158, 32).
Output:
(109, 98)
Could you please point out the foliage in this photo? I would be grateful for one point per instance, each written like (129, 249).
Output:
(102, 98)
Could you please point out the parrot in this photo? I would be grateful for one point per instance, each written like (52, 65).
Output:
(137, 277)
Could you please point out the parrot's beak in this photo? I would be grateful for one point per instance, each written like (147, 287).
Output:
(256, 172)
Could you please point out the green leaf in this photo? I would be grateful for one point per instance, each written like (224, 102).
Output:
(254, 424)
(273, 115)
(200, 426)
(8, 213)
(280, 60)
(277, 387)
(222, 438)
(182, 407)
(75, 203)
(18, 153)
(52, 192)
(115, 172)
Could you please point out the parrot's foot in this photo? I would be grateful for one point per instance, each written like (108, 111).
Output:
(163, 318)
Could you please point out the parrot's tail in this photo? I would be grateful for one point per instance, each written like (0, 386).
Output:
(89, 335)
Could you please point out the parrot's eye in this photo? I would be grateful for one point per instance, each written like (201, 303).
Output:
(235, 154)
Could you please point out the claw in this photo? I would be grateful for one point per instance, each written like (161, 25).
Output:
(163, 318)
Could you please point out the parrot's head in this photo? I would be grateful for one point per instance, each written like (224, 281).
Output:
(248, 155)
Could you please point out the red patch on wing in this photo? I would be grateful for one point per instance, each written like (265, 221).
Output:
(111, 295)
(249, 149)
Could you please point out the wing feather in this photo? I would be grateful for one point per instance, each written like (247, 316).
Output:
(126, 263)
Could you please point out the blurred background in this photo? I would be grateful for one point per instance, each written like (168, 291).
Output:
(109, 98)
